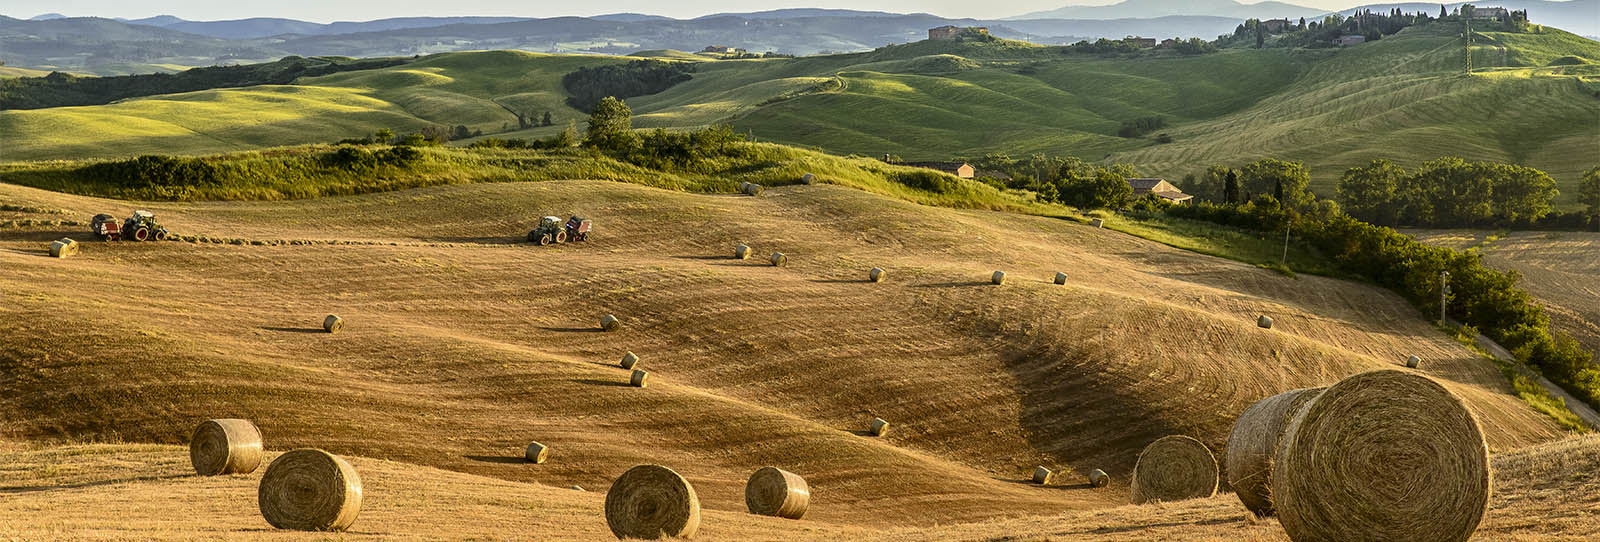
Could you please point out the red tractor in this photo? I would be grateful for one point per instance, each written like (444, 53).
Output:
(142, 226)
(551, 230)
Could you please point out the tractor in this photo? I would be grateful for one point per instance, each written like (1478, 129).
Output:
(551, 230)
(142, 226)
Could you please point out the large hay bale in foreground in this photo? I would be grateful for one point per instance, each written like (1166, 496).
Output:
(778, 259)
(1264, 322)
(772, 491)
(876, 274)
(1042, 476)
(310, 490)
(63, 248)
(878, 428)
(1174, 468)
(1384, 455)
(1099, 478)
(1413, 361)
(1061, 278)
(610, 323)
(1253, 446)
(225, 446)
(332, 323)
(999, 277)
(638, 380)
(629, 360)
(652, 502)
(741, 252)
(536, 453)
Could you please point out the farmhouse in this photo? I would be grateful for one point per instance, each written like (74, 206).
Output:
(721, 49)
(1168, 43)
(1352, 39)
(1490, 13)
(1160, 187)
(1275, 25)
(1143, 43)
(959, 169)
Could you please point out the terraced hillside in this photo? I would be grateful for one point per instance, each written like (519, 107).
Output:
(1531, 100)
(462, 345)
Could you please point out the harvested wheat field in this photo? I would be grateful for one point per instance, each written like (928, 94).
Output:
(462, 344)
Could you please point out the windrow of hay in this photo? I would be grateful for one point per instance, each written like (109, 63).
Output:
(629, 360)
(1383, 455)
(1413, 361)
(778, 259)
(63, 248)
(741, 252)
(332, 323)
(878, 428)
(225, 446)
(772, 491)
(652, 502)
(876, 274)
(638, 378)
(1042, 475)
(999, 277)
(1174, 468)
(1253, 446)
(610, 323)
(1099, 478)
(536, 453)
(1264, 322)
(310, 490)
(1061, 278)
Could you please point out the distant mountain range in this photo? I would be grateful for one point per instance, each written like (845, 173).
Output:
(1147, 8)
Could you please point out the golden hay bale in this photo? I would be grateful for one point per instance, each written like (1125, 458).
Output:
(1174, 468)
(808, 179)
(225, 446)
(310, 490)
(999, 277)
(750, 189)
(1042, 476)
(1253, 446)
(1264, 322)
(652, 502)
(332, 323)
(1413, 361)
(778, 259)
(610, 323)
(772, 491)
(876, 274)
(1061, 278)
(1384, 455)
(878, 428)
(639, 377)
(629, 360)
(63, 248)
(1099, 478)
(741, 252)
(536, 453)
(1098, 223)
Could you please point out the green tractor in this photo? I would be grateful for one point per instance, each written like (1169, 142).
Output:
(142, 226)
(552, 230)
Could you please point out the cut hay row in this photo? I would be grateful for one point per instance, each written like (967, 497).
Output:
(652, 502)
(1253, 446)
(225, 446)
(772, 491)
(310, 490)
(1174, 468)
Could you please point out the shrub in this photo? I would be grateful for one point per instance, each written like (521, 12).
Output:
(154, 171)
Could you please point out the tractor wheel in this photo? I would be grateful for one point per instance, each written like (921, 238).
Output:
(545, 240)
(584, 236)
(561, 237)
(161, 235)
(141, 234)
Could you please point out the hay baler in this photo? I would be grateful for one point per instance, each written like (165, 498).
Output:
(142, 226)
(552, 230)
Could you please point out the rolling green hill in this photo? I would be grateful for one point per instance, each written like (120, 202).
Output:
(1532, 99)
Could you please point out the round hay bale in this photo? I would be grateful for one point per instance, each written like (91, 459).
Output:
(610, 323)
(536, 453)
(1042, 476)
(225, 446)
(876, 274)
(639, 377)
(629, 360)
(1264, 322)
(310, 490)
(1099, 478)
(750, 189)
(999, 277)
(332, 323)
(741, 252)
(808, 179)
(1413, 361)
(778, 259)
(63, 248)
(1174, 468)
(1384, 455)
(772, 491)
(1253, 446)
(1061, 278)
(652, 502)
(878, 428)
(1098, 223)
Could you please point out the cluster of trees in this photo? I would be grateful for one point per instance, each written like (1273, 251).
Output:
(362, 159)
(153, 171)
(1281, 181)
(1140, 126)
(587, 86)
(1366, 23)
(61, 90)
(1448, 192)
(436, 134)
(1066, 180)
(1102, 46)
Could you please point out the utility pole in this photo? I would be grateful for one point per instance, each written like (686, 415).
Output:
(1285, 261)
(1444, 292)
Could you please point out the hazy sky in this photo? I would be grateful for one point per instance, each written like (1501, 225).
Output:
(362, 10)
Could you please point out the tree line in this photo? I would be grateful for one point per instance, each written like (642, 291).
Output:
(589, 85)
(61, 90)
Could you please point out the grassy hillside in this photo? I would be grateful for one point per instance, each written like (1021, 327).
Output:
(1531, 100)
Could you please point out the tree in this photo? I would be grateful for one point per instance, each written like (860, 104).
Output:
(1519, 193)
(1230, 187)
(1263, 175)
(547, 120)
(383, 136)
(568, 137)
(460, 132)
(1442, 13)
(1261, 35)
(1368, 192)
(1445, 191)
(611, 126)
(1589, 194)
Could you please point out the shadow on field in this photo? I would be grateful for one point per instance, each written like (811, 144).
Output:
(502, 459)
(1109, 530)
(573, 329)
(705, 257)
(953, 284)
(611, 383)
(296, 329)
(98, 483)
(840, 281)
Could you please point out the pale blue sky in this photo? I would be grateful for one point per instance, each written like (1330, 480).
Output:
(362, 10)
